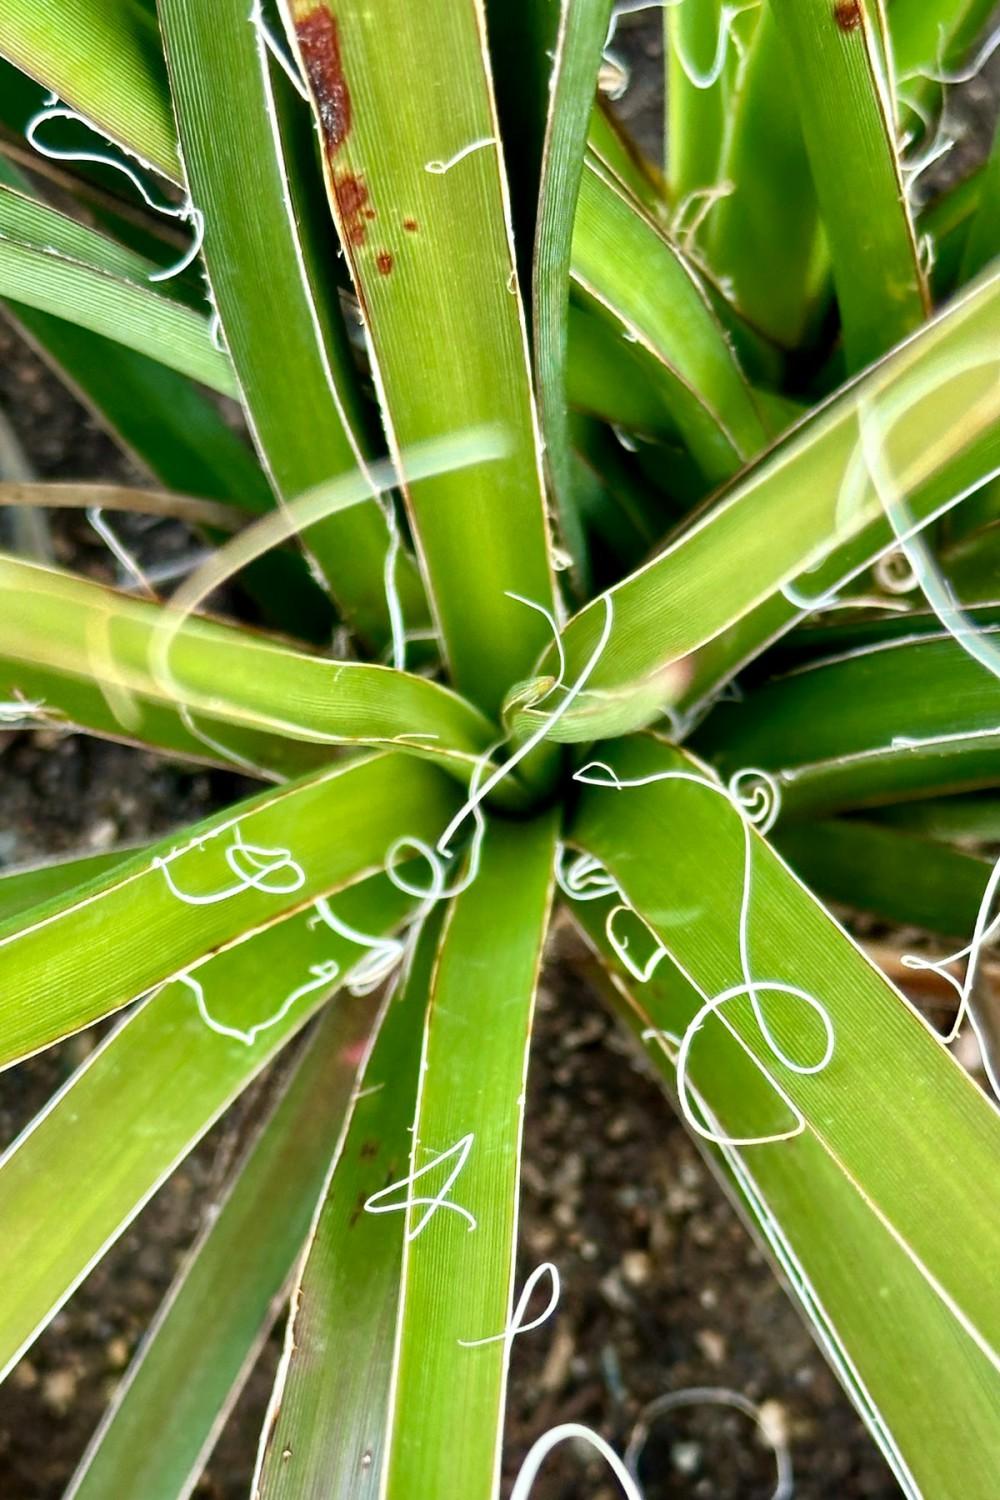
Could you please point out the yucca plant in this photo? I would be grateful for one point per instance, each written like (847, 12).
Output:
(631, 535)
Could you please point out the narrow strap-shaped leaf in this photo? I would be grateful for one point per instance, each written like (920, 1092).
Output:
(927, 39)
(971, 819)
(944, 226)
(50, 697)
(839, 72)
(31, 222)
(894, 1116)
(293, 369)
(763, 235)
(157, 416)
(458, 1277)
(135, 316)
(107, 1141)
(983, 242)
(882, 722)
(177, 433)
(892, 874)
(103, 57)
(702, 62)
(712, 598)
(583, 27)
(225, 675)
(164, 912)
(170, 1408)
(416, 180)
(325, 1436)
(830, 1248)
(432, 1423)
(624, 261)
(610, 145)
(25, 886)
(608, 377)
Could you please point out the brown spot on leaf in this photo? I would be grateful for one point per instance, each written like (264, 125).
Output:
(848, 14)
(319, 39)
(368, 1150)
(384, 262)
(353, 206)
(411, 226)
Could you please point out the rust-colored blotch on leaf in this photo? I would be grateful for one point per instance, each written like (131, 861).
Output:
(384, 262)
(848, 14)
(353, 206)
(411, 226)
(319, 39)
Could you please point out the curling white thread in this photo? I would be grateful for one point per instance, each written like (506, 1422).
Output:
(517, 1324)
(705, 198)
(640, 972)
(983, 932)
(394, 605)
(706, 79)
(255, 868)
(473, 802)
(323, 975)
(757, 806)
(185, 212)
(383, 955)
(121, 554)
(376, 1204)
(226, 753)
(438, 168)
(585, 878)
(541, 1449)
(874, 433)
(700, 1395)
(946, 76)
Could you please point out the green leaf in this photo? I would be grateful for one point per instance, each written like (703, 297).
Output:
(837, 67)
(224, 675)
(434, 273)
(613, 148)
(51, 698)
(107, 1141)
(624, 262)
(972, 819)
(609, 377)
(458, 1285)
(294, 368)
(711, 599)
(429, 1420)
(310, 838)
(582, 30)
(331, 1412)
(170, 1408)
(25, 886)
(880, 1207)
(702, 75)
(944, 226)
(892, 874)
(134, 315)
(927, 38)
(103, 57)
(983, 242)
(763, 236)
(905, 718)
